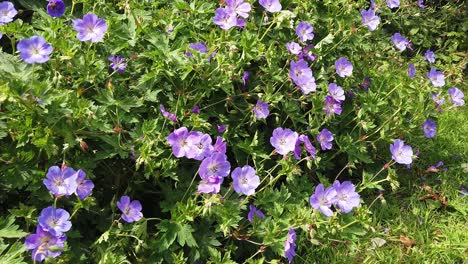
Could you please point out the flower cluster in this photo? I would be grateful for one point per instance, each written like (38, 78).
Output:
(332, 104)
(66, 181)
(343, 195)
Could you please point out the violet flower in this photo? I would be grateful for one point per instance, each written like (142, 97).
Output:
(178, 140)
(198, 46)
(245, 181)
(216, 165)
(400, 42)
(271, 6)
(195, 110)
(346, 196)
(167, 114)
(401, 153)
(56, 8)
(302, 76)
(293, 48)
(393, 3)
(225, 18)
(429, 128)
(261, 109)
(411, 70)
(336, 92)
(254, 212)
(436, 77)
(90, 28)
(54, 221)
(290, 245)
(307, 146)
(34, 50)
(332, 106)
(44, 244)
(221, 128)
(322, 199)
(7, 12)
(343, 67)
(305, 31)
(456, 96)
(429, 56)
(369, 19)
(284, 140)
(84, 187)
(219, 146)
(245, 78)
(131, 210)
(325, 137)
(307, 53)
(239, 6)
(201, 145)
(117, 63)
(210, 184)
(61, 182)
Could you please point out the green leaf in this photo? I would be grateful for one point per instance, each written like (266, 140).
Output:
(9, 230)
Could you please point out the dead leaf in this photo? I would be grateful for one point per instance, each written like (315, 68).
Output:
(406, 241)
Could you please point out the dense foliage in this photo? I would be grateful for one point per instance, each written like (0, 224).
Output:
(194, 131)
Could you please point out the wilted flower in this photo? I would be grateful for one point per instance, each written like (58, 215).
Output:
(271, 6)
(239, 6)
(290, 245)
(429, 128)
(90, 28)
(117, 63)
(436, 77)
(225, 18)
(261, 109)
(343, 67)
(44, 244)
(438, 100)
(456, 96)
(195, 109)
(284, 140)
(346, 196)
(221, 128)
(400, 42)
(61, 182)
(307, 53)
(332, 106)
(56, 8)
(198, 46)
(245, 78)
(366, 83)
(323, 199)
(307, 145)
(245, 180)
(254, 212)
(401, 153)
(131, 210)
(369, 19)
(305, 31)
(336, 92)
(411, 70)
(325, 137)
(302, 76)
(54, 221)
(167, 114)
(429, 56)
(34, 50)
(393, 3)
(219, 146)
(293, 48)
(84, 187)
(7, 12)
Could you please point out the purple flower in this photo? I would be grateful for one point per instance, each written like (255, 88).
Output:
(210, 184)
(221, 128)
(271, 6)
(54, 221)
(201, 145)
(421, 4)
(332, 106)
(61, 182)
(411, 70)
(401, 153)
(131, 210)
(56, 8)
(323, 199)
(366, 83)
(198, 46)
(219, 146)
(436, 77)
(429, 56)
(239, 6)
(456, 96)
(429, 128)
(399, 41)
(216, 165)
(343, 67)
(284, 140)
(7, 12)
(34, 50)
(438, 99)
(307, 53)
(245, 180)
(346, 196)
(167, 114)
(195, 109)
(225, 18)
(117, 63)
(302, 76)
(293, 48)
(305, 31)
(369, 19)
(42, 243)
(325, 137)
(261, 109)
(289, 245)
(254, 212)
(372, 5)
(336, 92)
(178, 140)
(393, 3)
(307, 145)
(245, 78)
(84, 187)
(90, 28)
